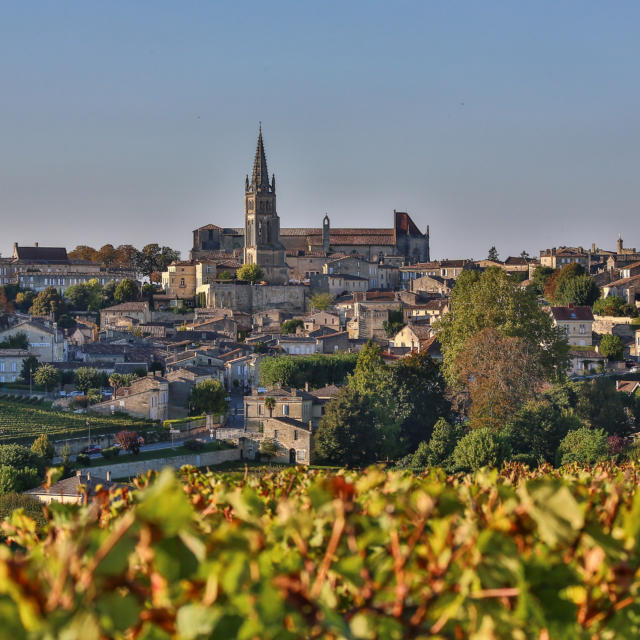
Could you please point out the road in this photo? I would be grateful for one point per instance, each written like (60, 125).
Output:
(235, 417)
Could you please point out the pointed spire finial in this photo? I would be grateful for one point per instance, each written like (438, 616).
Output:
(260, 174)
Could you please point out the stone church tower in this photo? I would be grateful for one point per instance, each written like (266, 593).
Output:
(262, 244)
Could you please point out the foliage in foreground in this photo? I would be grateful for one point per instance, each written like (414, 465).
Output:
(306, 553)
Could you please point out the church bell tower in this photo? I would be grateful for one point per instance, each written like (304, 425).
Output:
(262, 244)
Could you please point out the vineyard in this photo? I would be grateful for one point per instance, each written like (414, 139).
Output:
(313, 554)
(22, 420)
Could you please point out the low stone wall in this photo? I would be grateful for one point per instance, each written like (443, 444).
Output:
(133, 468)
(605, 324)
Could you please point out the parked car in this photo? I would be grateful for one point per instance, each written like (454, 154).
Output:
(634, 370)
(74, 394)
(91, 449)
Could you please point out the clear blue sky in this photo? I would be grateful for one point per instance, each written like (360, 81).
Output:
(507, 123)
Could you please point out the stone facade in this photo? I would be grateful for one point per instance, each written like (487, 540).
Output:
(576, 322)
(11, 364)
(46, 341)
(242, 296)
(293, 438)
(289, 403)
(145, 398)
(137, 312)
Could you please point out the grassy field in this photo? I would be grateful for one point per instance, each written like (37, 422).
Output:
(22, 420)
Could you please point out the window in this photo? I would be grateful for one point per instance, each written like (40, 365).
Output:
(2, 365)
(295, 434)
(285, 409)
(300, 455)
(260, 409)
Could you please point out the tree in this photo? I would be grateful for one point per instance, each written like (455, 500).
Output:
(152, 258)
(493, 254)
(86, 378)
(78, 296)
(31, 507)
(16, 480)
(612, 347)
(420, 396)
(20, 457)
(223, 275)
(5, 306)
(347, 434)
(126, 291)
(540, 277)
(48, 302)
(24, 300)
(442, 443)
(126, 257)
(578, 290)
(108, 293)
(496, 374)
(269, 448)
(394, 322)
(47, 376)
(83, 252)
(29, 366)
(539, 426)
(129, 441)
(492, 300)
(252, 273)
(610, 306)
(107, 255)
(270, 405)
(601, 406)
(16, 341)
(43, 448)
(479, 448)
(291, 326)
(583, 445)
(318, 369)
(321, 301)
(208, 397)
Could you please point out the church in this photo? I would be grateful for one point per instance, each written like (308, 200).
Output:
(278, 252)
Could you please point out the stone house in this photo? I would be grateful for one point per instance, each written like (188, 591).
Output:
(11, 363)
(432, 285)
(297, 345)
(332, 342)
(136, 312)
(627, 288)
(322, 319)
(587, 361)
(46, 341)
(344, 283)
(293, 438)
(179, 280)
(562, 256)
(289, 403)
(245, 369)
(146, 398)
(577, 322)
(72, 490)
(181, 381)
(412, 336)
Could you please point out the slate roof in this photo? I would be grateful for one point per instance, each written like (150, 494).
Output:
(71, 486)
(42, 254)
(572, 313)
(128, 306)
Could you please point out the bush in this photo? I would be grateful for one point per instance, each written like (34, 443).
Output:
(479, 448)
(584, 445)
(32, 507)
(43, 448)
(13, 479)
(83, 460)
(110, 452)
(194, 445)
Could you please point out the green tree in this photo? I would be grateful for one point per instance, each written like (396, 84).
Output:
(20, 457)
(126, 291)
(29, 367)
(612, 347)
(47, 376)
(317, 369)
(252, 273)
(394, 322)
(321, 301)
(25, 299)
(86, 378)
(223, 275)
(442, 444)
(493, 254)
(577, 290)
(42, 447)
(16, 341)
(291, 326)
(492, 300)
(479, 448)
(48, 302)
(538, 428)
(540, 277)
(610, 306)
(601, 406)
(108, 293)
(15, 480)
(208, 397)
(78, 296)
(583, 445)
(347, 434)
(31, 507)
(420, 396)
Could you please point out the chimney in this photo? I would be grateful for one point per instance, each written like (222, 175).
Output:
(593, 247)
(88, 476)
(35, 244)
(109, 476)
(15, 247)
(78, 473)
(306, 386)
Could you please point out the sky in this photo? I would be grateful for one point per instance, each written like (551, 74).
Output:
(496, 123)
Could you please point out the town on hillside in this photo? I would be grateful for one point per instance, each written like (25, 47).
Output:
(266, 338)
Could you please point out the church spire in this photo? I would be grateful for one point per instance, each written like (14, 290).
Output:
(260, 175)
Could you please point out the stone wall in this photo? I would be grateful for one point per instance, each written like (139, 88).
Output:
(605, 324)
(134, 468)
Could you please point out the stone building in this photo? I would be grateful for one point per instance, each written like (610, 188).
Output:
(136, 312)
(11, 363)
(46, 341)
(262, 244)
(293, 439)
(576, 322)
(145, 398)
(289, 403)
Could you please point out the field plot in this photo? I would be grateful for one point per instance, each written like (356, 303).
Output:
(22, 420)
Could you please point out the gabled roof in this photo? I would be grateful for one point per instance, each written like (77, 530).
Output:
(572, 313)
(41, 254)
(128, 306)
